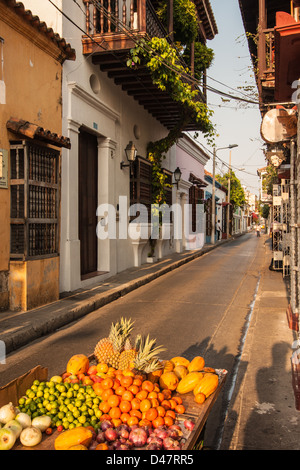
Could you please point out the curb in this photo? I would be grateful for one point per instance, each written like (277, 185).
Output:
(54, 319)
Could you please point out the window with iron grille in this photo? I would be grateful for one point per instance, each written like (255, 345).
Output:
(141, 183)
(34, 201)
(196, 196)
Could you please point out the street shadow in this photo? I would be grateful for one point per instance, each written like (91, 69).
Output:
(219, 359)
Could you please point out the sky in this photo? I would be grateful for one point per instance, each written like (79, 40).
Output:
(236, 122)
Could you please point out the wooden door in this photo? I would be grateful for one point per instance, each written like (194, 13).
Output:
(88, 198)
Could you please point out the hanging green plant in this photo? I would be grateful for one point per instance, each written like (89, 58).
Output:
(185, 20)
(203, 58)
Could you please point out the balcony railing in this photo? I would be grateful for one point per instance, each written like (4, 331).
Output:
(112, 18)
(266, 62)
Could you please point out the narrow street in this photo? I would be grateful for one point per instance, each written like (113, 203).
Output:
(201, 308)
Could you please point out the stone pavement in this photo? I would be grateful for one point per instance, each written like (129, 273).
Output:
(262, 413)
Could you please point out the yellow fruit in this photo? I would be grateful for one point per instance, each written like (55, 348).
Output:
(73, 437)
(180, 361)
(168, 380)
(56, 378)
(189, 382)
(168, 366)
(180, 371)
(102, 367)
(79, 447)
(207, 385)
(78, 364)
(196, 364)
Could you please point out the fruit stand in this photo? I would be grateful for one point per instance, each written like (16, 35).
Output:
(148, 404)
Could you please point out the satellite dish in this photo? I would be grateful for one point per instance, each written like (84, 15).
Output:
(279, 124)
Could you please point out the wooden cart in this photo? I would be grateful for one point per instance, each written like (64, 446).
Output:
(196, 412)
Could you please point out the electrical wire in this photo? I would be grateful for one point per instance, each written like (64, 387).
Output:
(125, 29)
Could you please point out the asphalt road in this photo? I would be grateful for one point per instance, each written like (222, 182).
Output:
(201, 308)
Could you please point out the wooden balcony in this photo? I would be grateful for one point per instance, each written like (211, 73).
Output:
(113, 27)
(266, 65)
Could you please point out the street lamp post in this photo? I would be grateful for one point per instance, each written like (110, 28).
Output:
(213, 215)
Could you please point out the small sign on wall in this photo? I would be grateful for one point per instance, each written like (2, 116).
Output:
(3, 168)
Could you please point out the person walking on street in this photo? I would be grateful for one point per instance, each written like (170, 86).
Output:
(258, 230)
(219, 230)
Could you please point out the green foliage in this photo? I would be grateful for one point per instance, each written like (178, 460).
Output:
(185, 20)
(269, 179)
(264, 210)
(203, 57)
(237, 194)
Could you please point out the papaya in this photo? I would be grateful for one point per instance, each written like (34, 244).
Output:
(189, 382)
(78, 364)
(180, 361)
(168, 380)
(196, 364)
(80, 436)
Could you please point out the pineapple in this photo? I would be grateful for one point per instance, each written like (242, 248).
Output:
(146, 360)
(127, 355)
(108, 350)
(104, 348)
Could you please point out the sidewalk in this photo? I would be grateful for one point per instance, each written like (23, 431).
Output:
(18, 329)
(262, 414)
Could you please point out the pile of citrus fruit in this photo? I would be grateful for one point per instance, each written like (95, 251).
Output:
(130, 398)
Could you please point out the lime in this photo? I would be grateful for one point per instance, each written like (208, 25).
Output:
(72, 426)
(22, 401)
(39, 393)
(76, 413)
(66, 424)
(75, 386)
(36, 382)
(69, 393)
(82, 419)
(70, 418)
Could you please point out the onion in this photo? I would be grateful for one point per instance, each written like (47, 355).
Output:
(171, 444)
(111, 434)
(189, 424)
(138, 437)
(7, 413)
(15, 426)
(31, 436)
(7, 439)
(24, 419)
(106, 424)
(41, 422)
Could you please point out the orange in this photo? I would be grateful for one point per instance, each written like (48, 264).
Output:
(116, 422)
(115, 412)
(161, 411)
(151, 414)
(160, 397)
(134, 389)
(142, 394)
(154, 403)
(139, 376)
(97, 387)
(125, 406)
(107, 383)
(124, 417)
(102, 367)
(156, 388)
(127, 395)
(147, 385)
(107, 393)
(145, 405)
(137, 381)
(180, 409)
(171, 413)
(144, 422)
(166, 404)
(159, 421)
(128, 373)
(152, 395)
(167, 393)
(136, 413)
(200, 398)
(113, 400)
(132, 420)
(168, 421)
(135, 403)
(173, 403)
(178, 400)
(116, 383)
(120, 390)
(104, 406)
(104, 417)
(126, 381)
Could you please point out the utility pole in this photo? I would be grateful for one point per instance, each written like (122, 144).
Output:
(228, 198)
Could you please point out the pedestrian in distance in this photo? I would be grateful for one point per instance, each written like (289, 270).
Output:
(219, 230)
(258, 230)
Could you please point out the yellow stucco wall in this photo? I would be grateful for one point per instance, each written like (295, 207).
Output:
(33, 283)
(32, 75)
